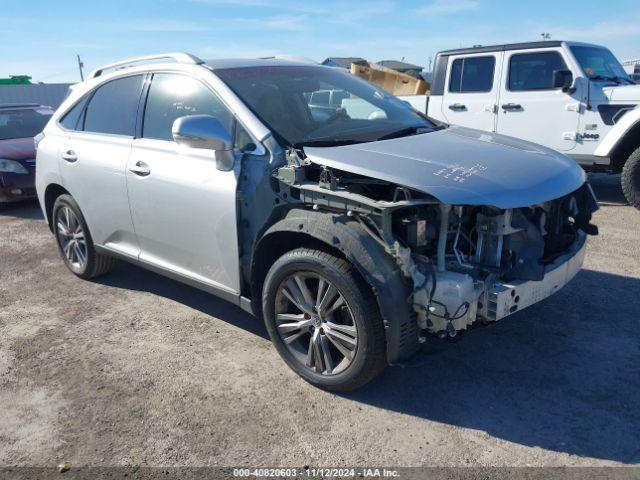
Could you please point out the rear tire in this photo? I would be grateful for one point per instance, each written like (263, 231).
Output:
(74, 240)
(630, 179)
(346, 329)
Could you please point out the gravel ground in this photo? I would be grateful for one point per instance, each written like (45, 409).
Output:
(136, 369)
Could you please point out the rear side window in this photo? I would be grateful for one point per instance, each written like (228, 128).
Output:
(474, 74)
(112, 108)
(534, 71)
(320, 98)
(173, 96)
(71, 120)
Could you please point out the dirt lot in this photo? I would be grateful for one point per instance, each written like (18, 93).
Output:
(135, 369)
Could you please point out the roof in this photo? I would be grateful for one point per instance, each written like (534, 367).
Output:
(506, 46)
(513, 46)
(216, 64)
(344, 62)
(398, 65)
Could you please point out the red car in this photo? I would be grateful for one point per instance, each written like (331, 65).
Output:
(19, 123)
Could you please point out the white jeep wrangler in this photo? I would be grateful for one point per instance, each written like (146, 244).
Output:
(573, 97)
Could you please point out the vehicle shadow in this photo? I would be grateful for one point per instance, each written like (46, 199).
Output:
(131, 277)
(28, 210)
(607, 189)
(563, 375)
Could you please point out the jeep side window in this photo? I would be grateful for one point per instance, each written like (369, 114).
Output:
(172, 96)
(473, 74)
(112, 108)
(534, 71)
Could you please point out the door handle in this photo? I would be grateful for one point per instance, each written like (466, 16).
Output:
(511, 106)
(457, 106)
(69, 156)
(141, 169)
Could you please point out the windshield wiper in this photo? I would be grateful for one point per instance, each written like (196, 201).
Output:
(404, 132)
(605, 78)
(326, 142)
(623, 79)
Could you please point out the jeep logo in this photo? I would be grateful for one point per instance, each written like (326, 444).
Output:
(588, 136)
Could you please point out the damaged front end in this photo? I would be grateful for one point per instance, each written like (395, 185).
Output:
(461, 263)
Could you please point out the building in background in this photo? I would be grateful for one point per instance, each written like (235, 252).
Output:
(632, 66)
(402, 67)
(343, 62)
(16, 80)
(50, 94)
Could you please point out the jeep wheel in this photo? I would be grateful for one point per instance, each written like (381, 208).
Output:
(631, 179)
(74, 240)
(323, 320)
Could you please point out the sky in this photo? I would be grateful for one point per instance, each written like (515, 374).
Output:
(41, 38)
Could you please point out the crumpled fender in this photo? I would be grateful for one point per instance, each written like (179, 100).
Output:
(617, 133)
(375, 265)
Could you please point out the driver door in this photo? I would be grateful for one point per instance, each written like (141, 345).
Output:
(183, 207)
(530, 107)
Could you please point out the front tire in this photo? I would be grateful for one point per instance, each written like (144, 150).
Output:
(74, 240)
(323, 320)
(630, 179)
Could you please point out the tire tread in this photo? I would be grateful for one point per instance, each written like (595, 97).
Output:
(631, 172)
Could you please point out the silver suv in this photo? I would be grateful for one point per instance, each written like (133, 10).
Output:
(352, 227)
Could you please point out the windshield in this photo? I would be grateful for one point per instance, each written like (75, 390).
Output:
(599, 63)
(322, 106)
(23, 123)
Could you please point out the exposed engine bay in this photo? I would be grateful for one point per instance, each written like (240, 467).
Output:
(463, 263)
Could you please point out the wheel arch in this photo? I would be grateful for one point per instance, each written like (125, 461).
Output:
(52, 192)
(344, 237)
(621, 141)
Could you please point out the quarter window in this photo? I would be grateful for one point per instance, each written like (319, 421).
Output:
(112, 108)
(71, 120)
(473, 74)
(534, 71)
(173, 96)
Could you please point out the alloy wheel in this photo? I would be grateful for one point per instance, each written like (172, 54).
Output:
(315, 323)
(72, 238)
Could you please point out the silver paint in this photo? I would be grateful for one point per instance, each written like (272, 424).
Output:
(461, 166)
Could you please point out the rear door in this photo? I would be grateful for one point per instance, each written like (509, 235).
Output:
(471, 90)
(530, 107)
(93, 160)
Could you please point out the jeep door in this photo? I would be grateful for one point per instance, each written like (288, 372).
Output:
(471, 90)
(183, 208)
(93, 160)
(530, 107)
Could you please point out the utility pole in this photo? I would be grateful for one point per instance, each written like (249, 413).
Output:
(80, 66)
(429, 70)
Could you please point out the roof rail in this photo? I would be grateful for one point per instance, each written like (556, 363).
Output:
(20, 105)
(178, 57)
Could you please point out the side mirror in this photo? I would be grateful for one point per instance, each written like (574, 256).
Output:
(206, 132)
(563, 79)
